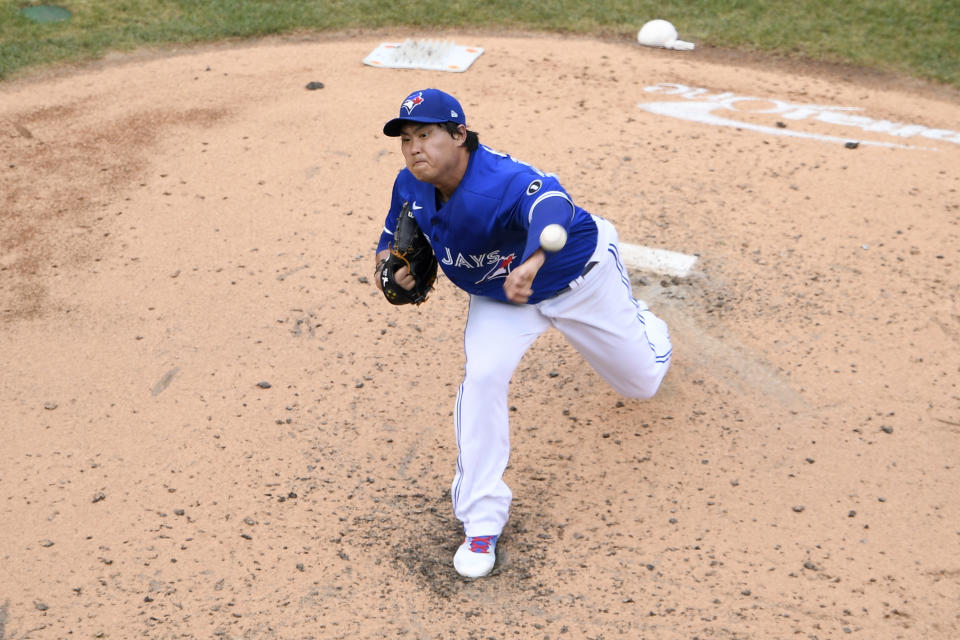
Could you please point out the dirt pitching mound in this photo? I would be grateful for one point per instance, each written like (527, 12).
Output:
(214, 425)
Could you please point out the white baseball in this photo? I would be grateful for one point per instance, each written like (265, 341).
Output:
(553, 237)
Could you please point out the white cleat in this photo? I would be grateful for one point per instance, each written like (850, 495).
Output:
(476, 556)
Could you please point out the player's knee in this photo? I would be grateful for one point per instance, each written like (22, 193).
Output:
(637, 392)
(641, 387)
(485, 375)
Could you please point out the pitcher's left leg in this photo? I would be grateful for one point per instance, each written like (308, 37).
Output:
(618, 335)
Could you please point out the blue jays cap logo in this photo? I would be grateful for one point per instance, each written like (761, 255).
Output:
(411, 102)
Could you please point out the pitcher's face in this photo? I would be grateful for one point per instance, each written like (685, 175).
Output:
(432, 154)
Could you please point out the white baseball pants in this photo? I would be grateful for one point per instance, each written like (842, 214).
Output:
(623, 341)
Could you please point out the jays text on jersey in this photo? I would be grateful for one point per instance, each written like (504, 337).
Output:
(481, 233)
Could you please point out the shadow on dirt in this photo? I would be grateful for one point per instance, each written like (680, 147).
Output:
(426, 536)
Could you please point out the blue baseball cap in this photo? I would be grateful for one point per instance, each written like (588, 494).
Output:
(427, 105)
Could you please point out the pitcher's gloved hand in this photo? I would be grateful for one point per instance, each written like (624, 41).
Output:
(407, 275)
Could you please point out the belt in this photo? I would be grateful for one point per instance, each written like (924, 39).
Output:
(586, 270)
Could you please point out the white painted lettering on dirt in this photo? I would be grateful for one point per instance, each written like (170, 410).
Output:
(702, 106)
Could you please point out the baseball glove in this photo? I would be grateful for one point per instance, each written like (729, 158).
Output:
(411, 249)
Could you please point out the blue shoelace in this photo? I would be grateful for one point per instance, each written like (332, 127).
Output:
(481, 544)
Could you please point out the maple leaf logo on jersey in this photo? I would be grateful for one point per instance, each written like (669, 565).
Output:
(411, 103)
(500, 270)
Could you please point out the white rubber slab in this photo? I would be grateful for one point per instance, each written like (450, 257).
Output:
(661, 261)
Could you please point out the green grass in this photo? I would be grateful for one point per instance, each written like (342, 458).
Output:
(919, 38)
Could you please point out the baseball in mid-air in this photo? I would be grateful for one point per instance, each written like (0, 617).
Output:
(553, 237)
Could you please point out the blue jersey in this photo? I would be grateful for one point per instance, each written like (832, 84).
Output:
(480, 234)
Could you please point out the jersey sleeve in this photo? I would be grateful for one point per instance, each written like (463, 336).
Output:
(390, 223)
(543, 202)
